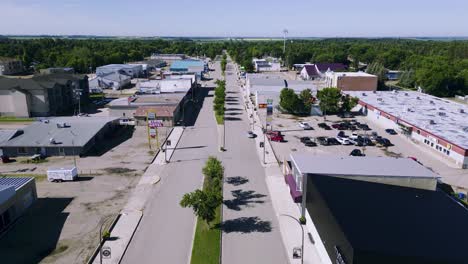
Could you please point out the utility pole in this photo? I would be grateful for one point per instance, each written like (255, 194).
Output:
(285, 32)
(73, 146)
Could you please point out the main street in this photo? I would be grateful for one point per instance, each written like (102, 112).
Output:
(166, 230)
(250, 228)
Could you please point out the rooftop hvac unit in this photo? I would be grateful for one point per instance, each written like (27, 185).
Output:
(374, 92)
(364, 94)
(379, 99)
(431, 102)
(462, 111)
(418, 98)
(432, 122)
(442, 113)
(406, 94)
(52, 140)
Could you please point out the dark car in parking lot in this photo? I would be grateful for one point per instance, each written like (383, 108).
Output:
(333, 141)
(324, 126)
(357, 153)
(304, 139)
(310, 143)
(390, 131)
(363, 127)
(384, 142)
(322, 141)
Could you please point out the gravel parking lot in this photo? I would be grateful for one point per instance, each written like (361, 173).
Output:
(402, 146)
(63, 225)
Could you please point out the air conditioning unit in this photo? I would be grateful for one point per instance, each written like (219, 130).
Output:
(432, 122)
(406, 94)
(462, 111)
(418, 98)
(52, 140)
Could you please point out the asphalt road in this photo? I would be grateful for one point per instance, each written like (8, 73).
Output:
(166, 230)
(250, 228)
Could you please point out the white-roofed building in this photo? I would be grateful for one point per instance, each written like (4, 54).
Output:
(440, 124)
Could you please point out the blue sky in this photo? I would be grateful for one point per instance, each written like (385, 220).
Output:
(303, 18)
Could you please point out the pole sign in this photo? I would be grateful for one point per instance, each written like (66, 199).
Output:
(152, 132)
(155, 123)
(269, 117)
(151, 115)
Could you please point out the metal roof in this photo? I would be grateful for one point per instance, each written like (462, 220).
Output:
(14, 181)
(78, 132)
(440, 117)
(6, 135)
(360, 166)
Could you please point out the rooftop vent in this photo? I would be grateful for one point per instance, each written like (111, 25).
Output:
(379, 99)
(462, 111)
(374, 92)
(431, 102)
(406, 94)
(364, 94)
(442, 114)
(52, 141)
(62, 125)
(432, 122)
(418, 98)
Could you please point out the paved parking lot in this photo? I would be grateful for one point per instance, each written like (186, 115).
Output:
(402, 146)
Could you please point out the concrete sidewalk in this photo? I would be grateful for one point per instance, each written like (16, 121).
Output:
(284, 205)
(133, 211)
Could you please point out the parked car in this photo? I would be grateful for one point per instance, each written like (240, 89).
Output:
(310, 143)
(343, 141)
(251, 134)
(367, 142)
(342, 134)
(357, 153)
(384, 142)
(333, 141)
(324, 126)
(359, 141)
(305, 125)
(275, 136)
(304, 139)
(322, 141)
(339, 126)
(390, 131)
(364, 127)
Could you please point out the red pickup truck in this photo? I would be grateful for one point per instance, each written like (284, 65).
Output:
(275, 136)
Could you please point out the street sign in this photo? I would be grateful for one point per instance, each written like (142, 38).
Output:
(151, 115)
(155, 123)
(270, 101)
(106, 252)
(152, 132)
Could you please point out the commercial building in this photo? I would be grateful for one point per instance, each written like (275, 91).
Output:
(57, 70)
(437, 123)
(42, 95)
(196, 67)
(266, 65)
(16, 196)
(351, 81)
(275, 83)
(381, 212)
(165, 86)
(9, 66)
(318, 70)
(113, 80)
(168, 58)
(135, 70)
(60, 136)
(167, 107)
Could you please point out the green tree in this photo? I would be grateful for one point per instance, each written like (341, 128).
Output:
(329, 100)
(203, 203)
(348, 102)
(378, 69)
(307, 99)
(289, 100)
(214, 172)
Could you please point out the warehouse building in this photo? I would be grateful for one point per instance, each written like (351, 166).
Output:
(16, 196)
(437, 123)
(196, 67)
(133, 71)
(165, 86)
(379, 210)
(351, 81)
(267, 65)
(42, 94)
(60, 136)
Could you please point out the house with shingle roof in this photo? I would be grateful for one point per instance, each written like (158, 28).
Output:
(318, 70)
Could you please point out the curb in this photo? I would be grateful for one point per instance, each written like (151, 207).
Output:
(101, 243)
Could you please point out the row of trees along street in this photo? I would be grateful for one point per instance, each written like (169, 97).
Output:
(219, 100)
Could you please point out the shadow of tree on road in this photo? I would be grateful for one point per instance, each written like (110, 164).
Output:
(232, 118)
(237, 180)
(245, 225)
(243, 198)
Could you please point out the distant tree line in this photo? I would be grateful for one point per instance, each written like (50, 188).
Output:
(439, 67)
(84, 55)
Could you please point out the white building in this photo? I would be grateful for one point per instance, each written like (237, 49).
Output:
(165, 86)
(266, 65)
(114, 81)
(440, 124)
(133, 71)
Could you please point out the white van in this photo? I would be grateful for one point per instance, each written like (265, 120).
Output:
(62, 174)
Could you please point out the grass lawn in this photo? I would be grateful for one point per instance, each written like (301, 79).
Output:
(219, 119)
(39, 177)
(15, 119)
(206, 244)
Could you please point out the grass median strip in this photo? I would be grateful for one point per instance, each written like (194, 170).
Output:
(206, 205)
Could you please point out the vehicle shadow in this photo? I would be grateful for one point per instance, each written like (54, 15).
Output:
(243, 198)
(35, 235)
(245, 225)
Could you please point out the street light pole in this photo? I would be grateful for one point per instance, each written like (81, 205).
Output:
(302, 229)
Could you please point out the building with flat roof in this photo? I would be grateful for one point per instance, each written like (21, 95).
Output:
(360, 222)
(376, 209)
(42, 94)
(440, 124)
(266, 65)
(134, 70)
(351, 81)
(274, 83)
(112, 80)
(9, 66)
(168, 58)
(196, 67)
(165, 86)
(60, 136)
(16, 196)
